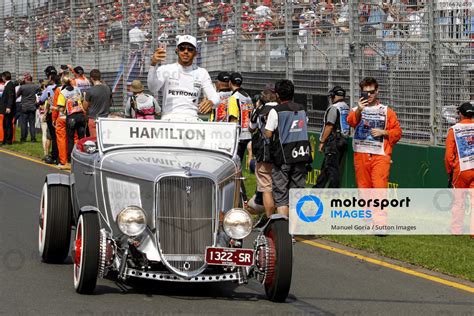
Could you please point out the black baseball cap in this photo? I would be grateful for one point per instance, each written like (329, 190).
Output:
(337, 91)
(466, 109)
(79, 70)
(236, 78)
(223, 76)
(50, 70)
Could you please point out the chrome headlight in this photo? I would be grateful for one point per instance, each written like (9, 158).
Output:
(237, 223)
(132, 221)
(122, 194)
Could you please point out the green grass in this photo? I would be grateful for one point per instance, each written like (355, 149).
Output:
(28, 148)
(452, 255)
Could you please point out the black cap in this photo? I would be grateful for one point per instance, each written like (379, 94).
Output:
(466, 109)
(337, 91)
(50, 70)
(223, 76)
(236, 78)
(79, 70)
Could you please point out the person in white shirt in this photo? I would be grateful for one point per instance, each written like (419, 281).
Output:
(137, 36)
(181, 83)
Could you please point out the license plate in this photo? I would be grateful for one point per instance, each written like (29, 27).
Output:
(229, 256)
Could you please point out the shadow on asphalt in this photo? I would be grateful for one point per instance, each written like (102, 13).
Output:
(185, 291)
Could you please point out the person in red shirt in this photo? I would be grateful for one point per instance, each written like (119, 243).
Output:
(460, 143)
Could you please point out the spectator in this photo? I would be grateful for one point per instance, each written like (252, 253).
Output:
(415, 20)
(8, 108)
(46, 98)
(240, 106)
(261, 147)
(140, 105)
(459, 165)
(70, 102)
(27, 91)
(97, 101)
(333, 139)
(220, 113)
(290, 148)
(137, 36)
(80, 80)
(2, 110)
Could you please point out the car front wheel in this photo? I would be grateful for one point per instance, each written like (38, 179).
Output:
(278, 279)
(86, 256)
(54, 232)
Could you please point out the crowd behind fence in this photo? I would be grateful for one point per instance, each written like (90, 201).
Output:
(421, 52)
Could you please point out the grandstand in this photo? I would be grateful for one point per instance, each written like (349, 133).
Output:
(422, 52)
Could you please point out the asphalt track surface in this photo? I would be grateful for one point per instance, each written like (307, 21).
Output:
(324, 282)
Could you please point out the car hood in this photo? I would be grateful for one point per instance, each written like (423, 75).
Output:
(148, 164)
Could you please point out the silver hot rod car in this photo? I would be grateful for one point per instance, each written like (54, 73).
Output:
(159, 200)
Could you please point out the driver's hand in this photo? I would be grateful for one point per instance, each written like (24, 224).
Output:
(158, 56)
(205, 106)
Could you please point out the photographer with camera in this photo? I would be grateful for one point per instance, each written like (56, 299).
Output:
(261, 147)
(333, 139)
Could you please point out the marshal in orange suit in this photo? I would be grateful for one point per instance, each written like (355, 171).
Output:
(460, 143)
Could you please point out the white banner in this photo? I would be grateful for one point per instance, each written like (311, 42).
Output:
(114, 133)
(363, 141)
(381, 211)
(464, 136)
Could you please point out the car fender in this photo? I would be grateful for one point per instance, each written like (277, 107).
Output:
(274, 218)
(58, 178)
(88, 209)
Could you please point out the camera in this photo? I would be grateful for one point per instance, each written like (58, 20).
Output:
(256, 98)
(64, 67)
(364, 95)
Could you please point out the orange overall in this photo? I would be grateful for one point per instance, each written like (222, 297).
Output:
(460, 180)
(371, 170)
(1, 128)
(60, 124)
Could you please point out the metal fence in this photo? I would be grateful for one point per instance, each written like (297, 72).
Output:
(421, 52)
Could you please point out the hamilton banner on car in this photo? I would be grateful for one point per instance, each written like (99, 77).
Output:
(214, 136)
(381, 211)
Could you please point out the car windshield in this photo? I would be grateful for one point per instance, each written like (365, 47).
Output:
(125, 133)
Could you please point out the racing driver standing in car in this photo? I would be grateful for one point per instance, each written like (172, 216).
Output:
(181, 83)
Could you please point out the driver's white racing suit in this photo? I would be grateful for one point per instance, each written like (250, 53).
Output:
(181, 89)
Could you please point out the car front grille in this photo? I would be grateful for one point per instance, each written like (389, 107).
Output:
(185, 221)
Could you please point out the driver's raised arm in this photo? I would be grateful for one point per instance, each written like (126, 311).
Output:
(156, 78)
(210, 91)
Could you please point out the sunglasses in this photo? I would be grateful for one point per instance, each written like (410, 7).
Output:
(371, 91)
(188, 48)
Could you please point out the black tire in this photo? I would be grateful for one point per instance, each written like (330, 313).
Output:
(86, 255)
(278, 281)
(54, 233)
